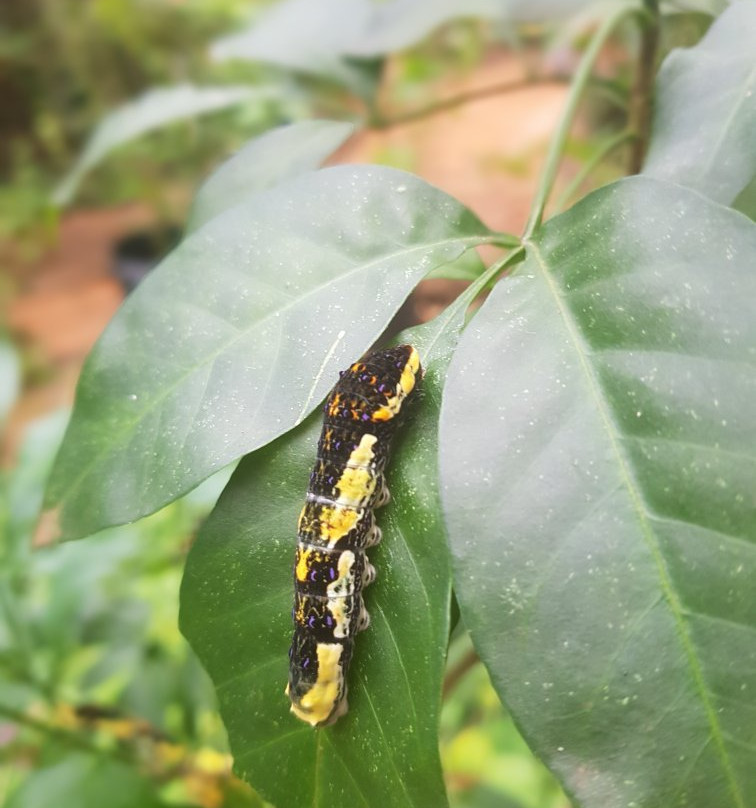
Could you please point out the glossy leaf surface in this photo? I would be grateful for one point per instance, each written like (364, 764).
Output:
(598, 462)
(265, 161)
(153, 110)
(703, 129)
(236, 602)
(213, 355)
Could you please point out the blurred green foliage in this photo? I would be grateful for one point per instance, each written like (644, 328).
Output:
(486, 762)
(64, 64)
(101, 699)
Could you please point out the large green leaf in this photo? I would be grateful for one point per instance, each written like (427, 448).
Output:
(235, 610)
(265, 161)
(598, 467)
(234, 338)
(153, 110)
(705, 111)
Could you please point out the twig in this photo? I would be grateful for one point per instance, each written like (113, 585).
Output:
(641, 96)
(69, 737)
(558, 142)
(379, 122)
(457, 673)
(606, 148)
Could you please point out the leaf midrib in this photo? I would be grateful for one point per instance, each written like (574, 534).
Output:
(649, 537)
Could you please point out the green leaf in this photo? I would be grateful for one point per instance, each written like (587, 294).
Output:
(86, 781)
(745, 201)
(153, 110)
(705, 112)
(22, 489)
(234, 338)
(399, 24)
(266, 161)
(235, 610)
(598, 468)
(710, 7)
(307, 36)
(465, 268)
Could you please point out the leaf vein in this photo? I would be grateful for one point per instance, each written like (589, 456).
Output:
(651, 541)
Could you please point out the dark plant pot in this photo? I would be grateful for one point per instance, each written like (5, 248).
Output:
(139, 252)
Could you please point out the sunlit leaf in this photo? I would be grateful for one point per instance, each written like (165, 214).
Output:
(598, 462)
(235, 337)
(705, 119)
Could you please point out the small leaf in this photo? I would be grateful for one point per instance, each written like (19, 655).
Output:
(213, 355)
(266, 161)
(598, 467)
(235, 610)
(705, 115)
(153, 110)
(307, 36)
(399, 24)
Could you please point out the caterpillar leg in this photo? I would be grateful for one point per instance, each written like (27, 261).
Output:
(363, 621)
(384, 495)
(373, 536)
(368, 574)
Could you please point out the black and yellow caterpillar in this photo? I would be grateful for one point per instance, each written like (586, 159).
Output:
(337, 525)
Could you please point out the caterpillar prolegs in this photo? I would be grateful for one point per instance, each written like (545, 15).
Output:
(337, 525)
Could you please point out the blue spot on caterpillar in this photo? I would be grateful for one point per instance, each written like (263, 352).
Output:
(337, 525)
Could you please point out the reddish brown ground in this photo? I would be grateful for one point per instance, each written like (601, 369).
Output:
(487, 153)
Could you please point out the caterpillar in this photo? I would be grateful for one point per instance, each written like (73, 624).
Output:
(337, 525)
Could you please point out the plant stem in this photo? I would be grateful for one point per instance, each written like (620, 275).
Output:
(379, 122)
(457, 673)
(69, 737)
(641, 97)
(558, 142)
(606, 148)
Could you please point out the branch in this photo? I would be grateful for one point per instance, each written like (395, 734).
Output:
(641, 97)
(77, 740)
(457, 673)
(379, 122)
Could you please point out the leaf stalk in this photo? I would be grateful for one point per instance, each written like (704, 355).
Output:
(641, 96)
(577, 89)
(606, 148)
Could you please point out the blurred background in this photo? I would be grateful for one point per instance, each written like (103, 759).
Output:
(101, 700)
